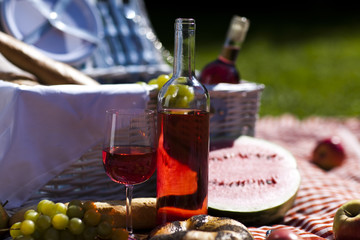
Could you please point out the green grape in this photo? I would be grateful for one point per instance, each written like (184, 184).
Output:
(181, 102)
(119, 234)
(31, 215)
(61, 208)
(60, 221)
(89, 205)
(27, 227)
(15, 230)
(37, 234)
(186, 91)
(153, 82)
(171, 91)
(162, 79)
(76, 226)
(66, 235)
(76, 202)
(75, 211)
(51, 234)
(92, 217)
(90, 233)
(108, 217)
(182, 80)
(43, 222)
(41, 204)
(49, 208)
(104, 229)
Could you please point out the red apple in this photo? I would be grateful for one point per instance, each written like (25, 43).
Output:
(328, 153)
(282, 234)
(346, 225)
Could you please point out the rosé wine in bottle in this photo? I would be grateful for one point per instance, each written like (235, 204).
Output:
(223, 69)
(183, 135)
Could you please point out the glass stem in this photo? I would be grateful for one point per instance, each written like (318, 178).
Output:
(129, 192)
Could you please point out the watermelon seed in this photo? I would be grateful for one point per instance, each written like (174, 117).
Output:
(269, 157)
(271, 181)
(261, 182)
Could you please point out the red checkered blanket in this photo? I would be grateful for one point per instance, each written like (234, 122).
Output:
(321, 193)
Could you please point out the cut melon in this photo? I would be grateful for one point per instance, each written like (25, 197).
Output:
(254, 181)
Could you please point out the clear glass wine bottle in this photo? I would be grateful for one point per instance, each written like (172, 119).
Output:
(183, 130)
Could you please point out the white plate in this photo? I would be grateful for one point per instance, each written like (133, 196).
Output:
(56, 27)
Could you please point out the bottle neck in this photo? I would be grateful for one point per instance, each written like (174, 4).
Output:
(234, 39)
(184, 52)
(229, 54)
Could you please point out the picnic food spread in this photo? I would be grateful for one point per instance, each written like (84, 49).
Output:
(257, 189)
(317, 216)
(76, 217)
(202, 227)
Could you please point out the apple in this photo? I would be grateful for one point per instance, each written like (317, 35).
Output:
(282, 234)
(346, 225)
(328, 153)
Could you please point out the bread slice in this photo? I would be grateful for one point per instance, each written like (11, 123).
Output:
(46, 70)
(143, 212)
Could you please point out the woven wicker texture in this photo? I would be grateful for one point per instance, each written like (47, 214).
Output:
(86, 178)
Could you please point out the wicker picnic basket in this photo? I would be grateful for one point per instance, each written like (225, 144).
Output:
(233, 113)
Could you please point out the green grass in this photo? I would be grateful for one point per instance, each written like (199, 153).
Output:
(316, 74)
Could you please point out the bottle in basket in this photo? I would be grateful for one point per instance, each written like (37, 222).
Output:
(183, 131)
(223, 68)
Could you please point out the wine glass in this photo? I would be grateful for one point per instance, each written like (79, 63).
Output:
(129, 150)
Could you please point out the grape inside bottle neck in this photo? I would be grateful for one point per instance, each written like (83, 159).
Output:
(184, 59)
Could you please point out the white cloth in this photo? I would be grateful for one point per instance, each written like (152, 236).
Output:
(43, 129)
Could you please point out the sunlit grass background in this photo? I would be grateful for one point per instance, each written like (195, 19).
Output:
(308, 67)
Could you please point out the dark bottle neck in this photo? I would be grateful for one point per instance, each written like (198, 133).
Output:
(229, 54)
(184, 52)
(234, 39)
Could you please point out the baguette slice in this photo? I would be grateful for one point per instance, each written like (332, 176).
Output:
(143, 211)
(47, 70)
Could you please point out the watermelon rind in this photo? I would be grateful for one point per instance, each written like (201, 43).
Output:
(269, 212)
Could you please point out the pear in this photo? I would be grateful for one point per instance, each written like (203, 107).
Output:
(4, 217)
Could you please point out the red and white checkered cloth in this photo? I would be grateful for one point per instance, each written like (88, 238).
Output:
(321, 193)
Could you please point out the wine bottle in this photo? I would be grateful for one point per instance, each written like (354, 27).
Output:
(223, 69)
(183, 134)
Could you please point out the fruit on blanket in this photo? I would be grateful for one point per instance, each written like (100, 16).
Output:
(282, 234)
(255, 181)
(50, 221)
(328, 153)
(4, 217)
(202, 227)
(346, 225)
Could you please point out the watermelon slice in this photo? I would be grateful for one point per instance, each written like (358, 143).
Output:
(254, 181)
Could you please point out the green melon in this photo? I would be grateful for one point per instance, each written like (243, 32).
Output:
(254, 181)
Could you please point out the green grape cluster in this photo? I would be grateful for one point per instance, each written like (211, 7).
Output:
(56, 221)
(178, 95)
